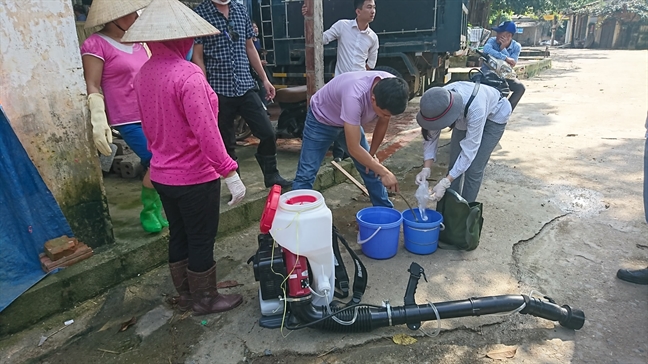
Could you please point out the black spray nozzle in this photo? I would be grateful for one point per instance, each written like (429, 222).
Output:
(575, 318)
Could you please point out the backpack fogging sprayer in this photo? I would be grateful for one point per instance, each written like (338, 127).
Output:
(297, 284)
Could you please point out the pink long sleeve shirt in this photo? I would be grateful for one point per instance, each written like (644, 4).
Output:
(180, 118)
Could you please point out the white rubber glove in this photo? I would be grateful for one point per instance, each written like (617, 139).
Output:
(422, 176)
(439, 190)
(101, 133)
(236, 188)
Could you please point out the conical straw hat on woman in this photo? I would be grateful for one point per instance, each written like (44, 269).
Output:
(167, 20)
(104, 11)
(180, 119)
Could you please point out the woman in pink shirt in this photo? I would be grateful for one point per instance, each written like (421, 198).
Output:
(180, 119)
(109, 67)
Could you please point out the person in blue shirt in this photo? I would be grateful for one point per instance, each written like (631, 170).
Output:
(504, 47)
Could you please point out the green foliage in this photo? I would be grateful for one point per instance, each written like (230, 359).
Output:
(616, 8)
(535, 7)
(499, 16)
(623, 10)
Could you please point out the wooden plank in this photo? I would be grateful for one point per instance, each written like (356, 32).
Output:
(350, 177)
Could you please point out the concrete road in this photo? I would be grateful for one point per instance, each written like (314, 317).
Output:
(563, 212)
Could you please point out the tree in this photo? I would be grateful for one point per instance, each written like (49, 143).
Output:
(623, 10)
(478, 12)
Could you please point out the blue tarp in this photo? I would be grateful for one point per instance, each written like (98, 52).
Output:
(29, 217)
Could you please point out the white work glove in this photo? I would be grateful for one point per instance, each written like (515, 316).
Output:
(422, 176)
(236, 188)
(101, 133)
(439, 190)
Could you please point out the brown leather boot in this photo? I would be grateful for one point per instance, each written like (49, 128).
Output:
(204, 293)
(181, 283)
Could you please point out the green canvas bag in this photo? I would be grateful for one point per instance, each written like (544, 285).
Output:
(463, 222)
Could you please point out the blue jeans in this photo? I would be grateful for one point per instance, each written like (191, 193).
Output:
(134, 137)
(315, 143)
(645, 186)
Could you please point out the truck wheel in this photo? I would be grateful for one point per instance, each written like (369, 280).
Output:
(394, 72)
(388, 70)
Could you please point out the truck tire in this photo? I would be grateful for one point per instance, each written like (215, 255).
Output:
(388, 70)
(393, 71)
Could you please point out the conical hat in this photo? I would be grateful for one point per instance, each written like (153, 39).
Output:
(167, 20)
(105, 11)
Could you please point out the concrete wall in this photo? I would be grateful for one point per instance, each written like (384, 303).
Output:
(43, 93)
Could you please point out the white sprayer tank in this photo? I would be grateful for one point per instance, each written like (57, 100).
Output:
(303, 224)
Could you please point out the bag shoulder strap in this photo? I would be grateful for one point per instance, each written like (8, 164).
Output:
(474, 224)
(472, 96)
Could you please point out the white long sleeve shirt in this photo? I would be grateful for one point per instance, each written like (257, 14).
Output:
(487, 105)
(356, 48)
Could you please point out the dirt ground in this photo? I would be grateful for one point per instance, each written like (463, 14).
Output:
(563, 212)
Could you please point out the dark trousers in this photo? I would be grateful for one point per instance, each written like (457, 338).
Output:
(517, 90)
(251, 108)
(193, 213)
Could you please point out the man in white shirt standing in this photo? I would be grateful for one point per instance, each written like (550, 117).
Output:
(357, 45)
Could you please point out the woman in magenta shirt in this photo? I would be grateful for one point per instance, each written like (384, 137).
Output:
(180, 119)
(109, 67)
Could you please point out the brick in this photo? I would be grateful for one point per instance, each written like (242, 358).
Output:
(131, 167)
(81, 252)
(60, 247)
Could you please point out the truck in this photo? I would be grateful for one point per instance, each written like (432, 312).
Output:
(417, 38)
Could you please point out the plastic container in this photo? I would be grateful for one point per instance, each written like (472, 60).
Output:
(303, 224)
(271, 307)
(422, 237)
(379, 231)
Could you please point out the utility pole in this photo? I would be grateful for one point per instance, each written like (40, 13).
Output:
(313, 29)
(554, 25)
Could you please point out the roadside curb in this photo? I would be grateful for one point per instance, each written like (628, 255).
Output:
(524, 71)
(529, 70)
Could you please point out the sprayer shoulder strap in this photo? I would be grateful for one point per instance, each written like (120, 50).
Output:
(341, 276)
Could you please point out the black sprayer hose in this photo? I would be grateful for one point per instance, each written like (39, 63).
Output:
(369, 318)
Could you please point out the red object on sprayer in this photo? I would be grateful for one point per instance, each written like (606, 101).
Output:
(297, 269)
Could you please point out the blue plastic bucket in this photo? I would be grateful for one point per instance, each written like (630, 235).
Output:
(422, 237)
(379, 231)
